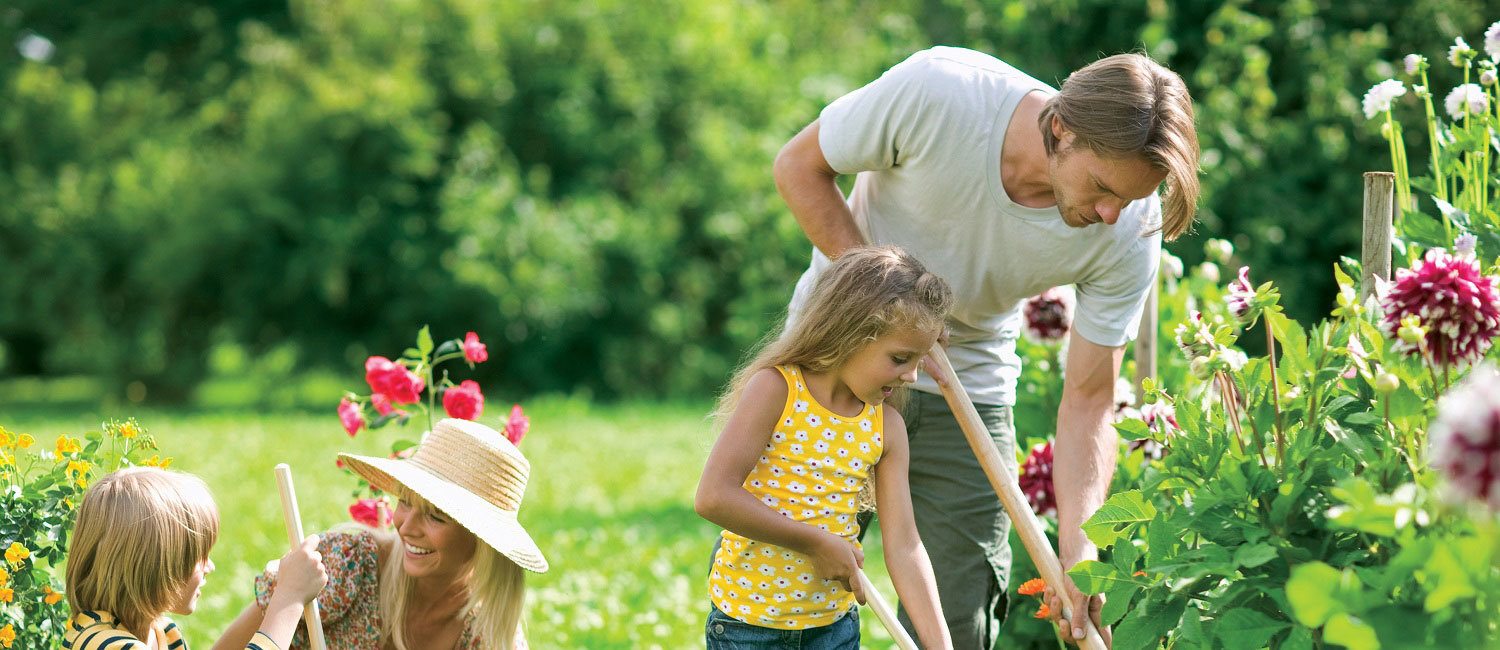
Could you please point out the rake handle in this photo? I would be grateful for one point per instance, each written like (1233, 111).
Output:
(293, 517)
(884, 612)
(1004, 482)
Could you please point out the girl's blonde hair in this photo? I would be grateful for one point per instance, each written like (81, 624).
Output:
(497, 591)
(140, 535)
(866, 293)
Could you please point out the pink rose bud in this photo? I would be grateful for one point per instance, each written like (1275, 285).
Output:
(517, 425)
(475, 351)
(464, 401)
(368, 512)
(351, 416)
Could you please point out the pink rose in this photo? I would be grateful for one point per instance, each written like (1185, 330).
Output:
(475, 351)
(464, 401)
(351, 416)
(516, 425)
(393, 380)
(370, 512)
(383, 406)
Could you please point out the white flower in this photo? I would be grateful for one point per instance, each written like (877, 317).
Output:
(1487, 78)
(1171, 265)
(1378, 98)
(1492, 41)
(1413, 63)
(1209, 271)
(1466, 99)
(1459, 51)
(35, 47)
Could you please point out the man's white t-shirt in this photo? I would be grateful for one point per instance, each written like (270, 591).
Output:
(925, 139)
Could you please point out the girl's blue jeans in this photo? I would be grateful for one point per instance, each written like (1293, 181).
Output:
(726, 633)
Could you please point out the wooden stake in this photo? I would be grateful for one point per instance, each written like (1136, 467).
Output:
(1004, 482)
(293, 518)
(1375, 251)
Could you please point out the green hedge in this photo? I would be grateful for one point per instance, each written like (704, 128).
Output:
(587, 184)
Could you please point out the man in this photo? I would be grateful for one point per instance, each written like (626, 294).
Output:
(1005, 187)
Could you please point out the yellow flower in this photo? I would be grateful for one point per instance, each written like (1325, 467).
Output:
(16, 553)
(157, 461)
(78, 469)
(66, 445)
(6, 441)
(130, 429)
(6, 459)
(51, 597)
(25, 441)
(68, 503)
(7, 594)
(4, 576)
(8, 634)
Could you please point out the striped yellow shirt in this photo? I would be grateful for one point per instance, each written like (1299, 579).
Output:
(812, 471)
(100, 630)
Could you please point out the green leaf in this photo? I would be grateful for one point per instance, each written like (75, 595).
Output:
(424, 340)
(1447, 579)
(1301, 638)
(1117, 602)
(1247, 629)
(401, 445)
(1144, 628)
(1117, 516)
(1254, 555)
(446, 347)
(1132, 429)
(1094, 577)
(1351, 632)
(1317, 592)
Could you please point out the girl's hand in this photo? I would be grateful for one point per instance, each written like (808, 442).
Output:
(836, 558)
(301, 573)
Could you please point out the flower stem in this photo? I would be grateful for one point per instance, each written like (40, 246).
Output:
(1432, 142)
(1275, 397)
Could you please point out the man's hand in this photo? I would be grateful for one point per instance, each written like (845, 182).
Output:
(1075, 550)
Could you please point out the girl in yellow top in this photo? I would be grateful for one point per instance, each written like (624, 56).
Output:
(140, 550)
(808, 424)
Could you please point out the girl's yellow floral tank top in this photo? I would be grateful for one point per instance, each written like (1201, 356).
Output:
(812, 471)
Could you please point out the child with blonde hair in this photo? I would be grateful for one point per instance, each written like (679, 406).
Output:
(807, 423)
(140, 550)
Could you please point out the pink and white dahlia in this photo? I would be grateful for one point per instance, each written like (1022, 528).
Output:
(1465, 439)
(1241, 295)
(1459, 52)
(1048, 315)
(1036, 480)
(1457, 305)
(1194, 337)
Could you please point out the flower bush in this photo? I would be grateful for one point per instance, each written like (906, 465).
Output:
(42, 486)
(411, 380)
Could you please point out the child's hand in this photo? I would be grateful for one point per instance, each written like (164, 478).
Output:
(301, 573)
(836, 558)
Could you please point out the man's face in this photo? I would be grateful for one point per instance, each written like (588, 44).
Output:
(1090, 189)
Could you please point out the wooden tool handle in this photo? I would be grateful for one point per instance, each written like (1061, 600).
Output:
(886, 615)
(293, 518)
(1004, 482)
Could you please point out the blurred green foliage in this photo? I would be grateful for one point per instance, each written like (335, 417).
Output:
(586, 184)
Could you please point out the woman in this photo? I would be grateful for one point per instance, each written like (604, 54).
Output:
(452, 574)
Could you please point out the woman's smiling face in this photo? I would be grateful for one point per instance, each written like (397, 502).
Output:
(432, 544)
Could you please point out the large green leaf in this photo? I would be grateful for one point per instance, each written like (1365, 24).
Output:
(1247, 629)
(1317, 592)
(1094, 577)
(1117, 516)
(1350, 632)
(1254, 555)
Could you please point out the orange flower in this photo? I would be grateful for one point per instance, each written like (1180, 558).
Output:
(4, 576)
(16, 553)
(25, 440)
(1043, 612)
(8, 634)
(1032, 587)
(66, 445)
(50, 597)
(157, 461)
(7, 594)
(130, 429)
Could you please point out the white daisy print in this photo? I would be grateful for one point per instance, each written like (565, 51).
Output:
(799, 406)
(801, 436)
(866, 425)
(813, 420)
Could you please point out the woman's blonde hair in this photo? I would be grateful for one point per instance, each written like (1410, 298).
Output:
(1128, 105)
(866, 293)
(140, 535)
(496, 586)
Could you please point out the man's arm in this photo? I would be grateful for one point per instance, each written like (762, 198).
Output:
(1084, 459)
(808, 184)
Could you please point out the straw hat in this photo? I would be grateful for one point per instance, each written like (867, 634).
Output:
(471, 473)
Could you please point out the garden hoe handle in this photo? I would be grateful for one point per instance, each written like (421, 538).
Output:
(1005, 485)
(884, 612)
(293, 518)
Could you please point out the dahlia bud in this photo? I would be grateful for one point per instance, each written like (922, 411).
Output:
(1387, 383)
(1199, 367)
(1487, 78)
(1171, 265)
(1241, 295)
(1411, 331)
(1209, 271)
(1385, 130)
(1413, 63)
(1218, 250)
(1465, 244)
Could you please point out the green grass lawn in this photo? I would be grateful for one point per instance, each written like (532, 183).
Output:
(610, 503)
